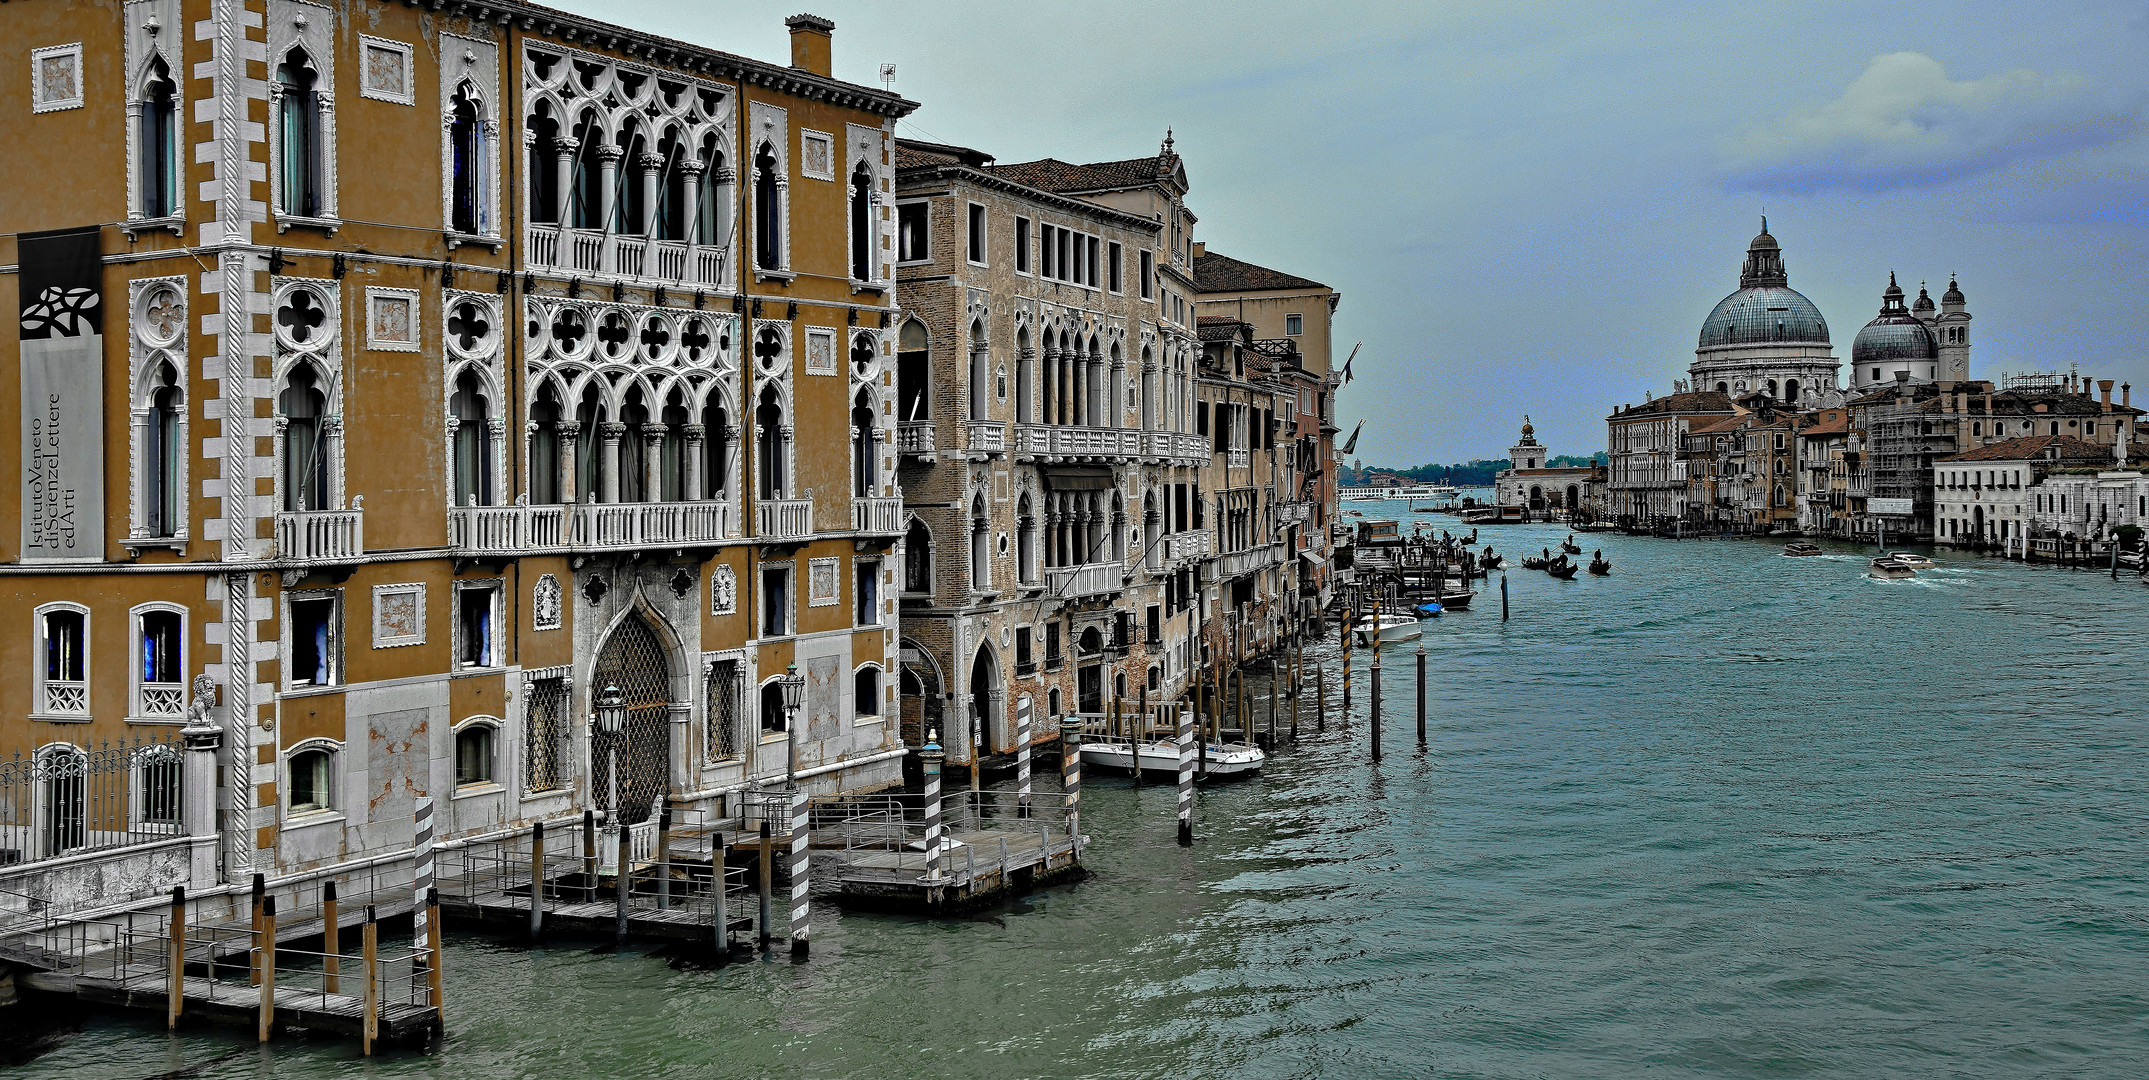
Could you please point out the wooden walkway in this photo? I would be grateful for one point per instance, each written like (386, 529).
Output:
(975, 867)
(141, 987)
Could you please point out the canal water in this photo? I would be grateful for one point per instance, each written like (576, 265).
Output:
(1720, 814)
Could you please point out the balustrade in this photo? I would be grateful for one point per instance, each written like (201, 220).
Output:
(877, 515)
(593, 251)
(1088, 579)
(320, 535)
(914, 437)
(783, 519)
(509, 530)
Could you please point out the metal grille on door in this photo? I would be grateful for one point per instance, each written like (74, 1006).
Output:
(634, 661)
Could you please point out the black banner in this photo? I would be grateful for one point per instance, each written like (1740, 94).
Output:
(61, 275)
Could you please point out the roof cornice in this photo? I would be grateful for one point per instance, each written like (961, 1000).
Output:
(921, 174)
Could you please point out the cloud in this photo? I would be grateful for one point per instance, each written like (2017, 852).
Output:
(1904, 124)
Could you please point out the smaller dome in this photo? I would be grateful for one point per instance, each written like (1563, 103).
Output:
(1895, 334)
(1527, 430)
(1953, 295)
(1924, 302)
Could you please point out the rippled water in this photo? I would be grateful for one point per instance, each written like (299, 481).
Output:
(1722, 814)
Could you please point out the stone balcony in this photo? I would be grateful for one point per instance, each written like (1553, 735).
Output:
(637, 258)
(1183, 546)
(519, 530)
(783, 519)
(1088, 579)
(321, 535)
(914, 438)
(986, 437)
(1240, 563)
(1238, 459)
(883, 516)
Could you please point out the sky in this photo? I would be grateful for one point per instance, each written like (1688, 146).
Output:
(1530, 209)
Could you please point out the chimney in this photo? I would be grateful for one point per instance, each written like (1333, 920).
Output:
(2126, 395)
(2104, 393)
(810, 40)
(1201, 248)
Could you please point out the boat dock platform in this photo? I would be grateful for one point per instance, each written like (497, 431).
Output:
(973, 847)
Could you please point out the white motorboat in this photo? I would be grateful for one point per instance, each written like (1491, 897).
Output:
(1911, 559)
(1889, 568)
(1390, 626)
(1225, 759)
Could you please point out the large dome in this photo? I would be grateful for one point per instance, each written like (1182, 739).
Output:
(1764, 315)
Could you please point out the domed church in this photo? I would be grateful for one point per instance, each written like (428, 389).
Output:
(1766, 337)
(1915, 342)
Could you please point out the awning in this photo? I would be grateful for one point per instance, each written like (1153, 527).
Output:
(1312, 558)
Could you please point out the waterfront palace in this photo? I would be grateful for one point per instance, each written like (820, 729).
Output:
(1762, 435)
(398, 379)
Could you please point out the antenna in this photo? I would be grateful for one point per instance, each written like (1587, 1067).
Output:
(887, 77)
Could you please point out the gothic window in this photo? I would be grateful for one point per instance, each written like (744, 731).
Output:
(671, 456)
(543, 168)
(913, 374)
(980, 546)
(158, 143)
(715, 448)
(585, 176)
(918, 558)
(305, 457)
(772, 710)
(635, 415)
(862, 223)
(865, 456)
(712, 212)
(300, 173)
(545, 446)
(163, 450)
(590, 413)
(768, 212)
(1025, 542)
(672, 184)
(769, 443)
(980, 377)
(469, 187)
(1025, 378)
(630, 207)
(473, 436)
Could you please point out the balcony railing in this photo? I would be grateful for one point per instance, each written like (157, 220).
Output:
(320, 535)
(877, 515)
(1193, 544)
(989, 436)
(1238, 459)
(511, 530)
(914, 437)
(1237, 563)
(783, 519)
(593, 251)
(1089, 579)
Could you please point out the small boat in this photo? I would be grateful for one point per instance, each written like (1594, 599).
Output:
(1458, 600)
(1911, 559)
(1599, 566)
(1597, 526)
(1800, 549)
(1563, 570)
(1532, 563)
(1429, 610)
(1889, 568)
(1160, 756)
(1570, 547)
(1490, 560)
(1424, 509)
(1388, 625)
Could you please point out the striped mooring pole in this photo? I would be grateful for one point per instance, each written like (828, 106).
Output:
(932, 756)
(422, 874)
(1071, 778)
(1022, 758)
(800, 883)
(1186, 775)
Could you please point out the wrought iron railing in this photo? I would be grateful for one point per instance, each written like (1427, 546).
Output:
(66, 799)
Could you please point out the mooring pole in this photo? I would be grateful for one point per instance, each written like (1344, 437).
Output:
(589, 856)
(1023, 735)
(1374, 689)
(1320, 697)
(537, 879)
(622, 875)
(801, 876)
(1503, 596)
(664, 859)
(331, 933)
(1071, 779)
(261, 885)
(932, 755)
(435, 988)
(176, 990)
(1298, 675)
(1421, 691)
(768, 880)
(1186, 776)
(267, 967)
(369, 962)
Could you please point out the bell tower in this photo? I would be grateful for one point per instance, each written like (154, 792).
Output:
(1528, 453)
(1952, 328)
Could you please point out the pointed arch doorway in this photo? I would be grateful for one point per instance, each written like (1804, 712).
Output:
(633, 659)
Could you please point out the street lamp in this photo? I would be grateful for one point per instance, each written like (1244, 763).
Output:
(794, 688)
(609, 715)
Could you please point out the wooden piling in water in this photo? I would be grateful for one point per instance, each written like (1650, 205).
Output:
(622, 882)
(1421, 693)
(664, 859)
(1320, 697)
(537, 879)
(1375, 690)
(370, 963)
(589, 856)
(435, 988)
(331, 937)
(768, 883)
(266, 966)
(253, 957)
(175, 983)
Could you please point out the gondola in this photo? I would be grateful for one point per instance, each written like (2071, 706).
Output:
(1570, 547)
(1599, 566)
(1529, 563)
(1563, 570)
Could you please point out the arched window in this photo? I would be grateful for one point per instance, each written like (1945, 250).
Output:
(865, 457)
(545, 447)
(587, 178)
(715, 448)
(635, 415)
(543, 166)
(769, 443)
(160, 664)
(163, 503)
(917, 558)
(1025, 379)
(980, 375)
(768, 212)
(305, 458)
(159, 143)
(672, 183)
(671, 463)
(473, 433)
(63, 667)
(913, 374)
(1119, 528)
(866, 692)
(980, 546)
(1025, 542)
(1790, 392)
(772, 710)
(589, 414)
(473, 754)
(298, 130)
(468, 185)
(712, 214)
(1723, 388)
(630, 206)
(862, 223)
(312, 785)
